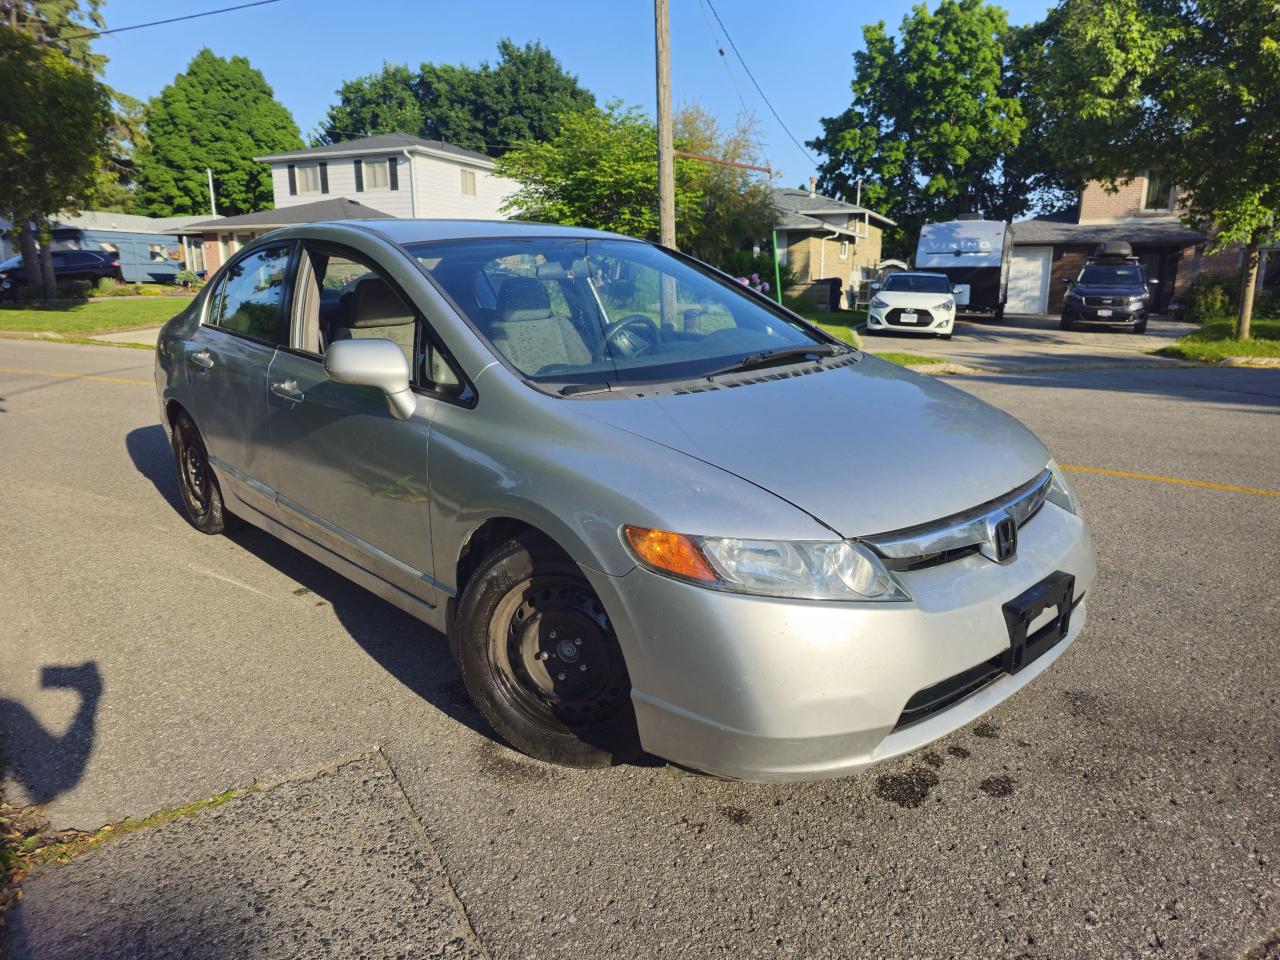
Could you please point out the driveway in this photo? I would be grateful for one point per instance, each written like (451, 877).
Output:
(1123, 805)
(1025, 341)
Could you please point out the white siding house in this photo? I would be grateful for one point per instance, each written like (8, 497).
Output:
(397, 174)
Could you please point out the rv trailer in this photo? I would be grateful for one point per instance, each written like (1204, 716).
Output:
(974, 254)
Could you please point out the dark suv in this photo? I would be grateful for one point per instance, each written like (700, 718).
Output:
(67, 265)
(1111, 288)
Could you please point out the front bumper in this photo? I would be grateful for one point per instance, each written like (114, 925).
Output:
(763, 689)
(889, 318)
(1120, 316)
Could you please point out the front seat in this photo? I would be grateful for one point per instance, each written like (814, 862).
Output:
(375, 311)
(528, 334)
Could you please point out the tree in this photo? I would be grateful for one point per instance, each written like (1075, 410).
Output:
(601, 171)
(54, 122)
(1190, 89)
(485, 108)
(219, 115)
(932, 119)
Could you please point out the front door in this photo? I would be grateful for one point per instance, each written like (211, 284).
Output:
(348, 474)
(227, 361)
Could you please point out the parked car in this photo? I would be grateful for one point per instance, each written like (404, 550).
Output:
(1111, 288)
(67, 265)
(650, 509)
(915, 302)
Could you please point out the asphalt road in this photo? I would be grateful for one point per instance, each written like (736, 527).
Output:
(1126, 804)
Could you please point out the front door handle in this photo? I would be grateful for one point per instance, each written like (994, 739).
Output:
(201, 358)
(288, 390)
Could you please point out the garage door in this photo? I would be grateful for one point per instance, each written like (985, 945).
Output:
(1029, 280)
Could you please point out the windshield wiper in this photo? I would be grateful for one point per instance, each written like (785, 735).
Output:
(770, 357)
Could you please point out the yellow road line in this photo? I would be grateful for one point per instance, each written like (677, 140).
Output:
(1179, 481)
(78, 376)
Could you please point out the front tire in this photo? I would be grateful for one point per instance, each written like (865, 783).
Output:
(540, 658)
(201, 496)
(1064, 324)
(1140, 327)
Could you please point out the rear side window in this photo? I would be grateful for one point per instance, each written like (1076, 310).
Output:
(249, 296)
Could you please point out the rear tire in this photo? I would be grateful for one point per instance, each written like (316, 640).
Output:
(540, 658)
(1064, 324)
(198, 487)
(1140, 327)
(999, 314)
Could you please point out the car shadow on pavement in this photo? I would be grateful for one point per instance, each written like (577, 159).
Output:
(404, 646)
(44, 763)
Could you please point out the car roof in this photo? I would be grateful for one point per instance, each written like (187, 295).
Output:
(918, 273)
(420, 231)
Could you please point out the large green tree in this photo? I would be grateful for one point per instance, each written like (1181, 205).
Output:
(485, 108)
(1190, 90)
(54, 123)
(932, 119)
(601, 171)
(218, 115)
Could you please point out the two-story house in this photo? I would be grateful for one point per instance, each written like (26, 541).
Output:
(1144, 212)
(388, 175)
(821, 238)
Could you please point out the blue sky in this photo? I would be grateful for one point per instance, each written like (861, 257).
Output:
(306, 48)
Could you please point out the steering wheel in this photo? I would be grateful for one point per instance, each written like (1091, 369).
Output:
(617, 337)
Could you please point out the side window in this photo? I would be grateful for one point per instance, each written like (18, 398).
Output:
(348, 299)
(249, 296)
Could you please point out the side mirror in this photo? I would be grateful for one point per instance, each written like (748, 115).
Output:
(957, 290)
(1153, 281)
(1068, 281)
(373, 363)
(875, 285)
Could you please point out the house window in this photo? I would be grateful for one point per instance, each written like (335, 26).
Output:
(308, 178)
(468, 183)
(375, 175)
(1159, 194)
(844, 249)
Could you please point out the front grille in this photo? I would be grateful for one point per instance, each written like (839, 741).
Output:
(894, 318)
(1106, 301)
(958, 535)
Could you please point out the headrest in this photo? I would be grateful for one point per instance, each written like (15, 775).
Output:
(523, 298)
(374, 304)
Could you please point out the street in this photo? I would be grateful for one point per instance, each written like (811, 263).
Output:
(1125, 804)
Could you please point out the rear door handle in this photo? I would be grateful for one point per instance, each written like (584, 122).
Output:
(201, 358)
(288, 390)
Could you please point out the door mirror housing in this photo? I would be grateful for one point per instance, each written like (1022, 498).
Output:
(1153, 280)
(957, 290)
(1068, 281)
(373, 363)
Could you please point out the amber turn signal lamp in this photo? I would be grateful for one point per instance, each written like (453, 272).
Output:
(670, 552)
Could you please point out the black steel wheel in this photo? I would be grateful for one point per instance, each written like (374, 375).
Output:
(201, 495)
(540, 659)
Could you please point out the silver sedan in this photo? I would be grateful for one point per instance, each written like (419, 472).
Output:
(651, 509)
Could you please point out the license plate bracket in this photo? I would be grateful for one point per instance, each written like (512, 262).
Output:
(1056, 590)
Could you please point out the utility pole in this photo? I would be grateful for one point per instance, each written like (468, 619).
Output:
(666, 146)
(213, 206)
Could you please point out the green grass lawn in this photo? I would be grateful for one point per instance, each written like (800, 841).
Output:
(906, 359)
(98, 316)
(839, 324)
(1214, 340)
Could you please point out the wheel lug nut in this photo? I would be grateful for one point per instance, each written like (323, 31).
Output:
(560, 675)
(578, 641)
(582, 667)
(553, 634)
(541, 654)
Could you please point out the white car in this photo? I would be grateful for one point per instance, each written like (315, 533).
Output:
(912, 301)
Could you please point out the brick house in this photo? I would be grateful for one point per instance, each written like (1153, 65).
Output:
(1144, 213)
(820, 238)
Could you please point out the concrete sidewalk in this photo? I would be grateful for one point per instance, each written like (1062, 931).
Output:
(332, 863)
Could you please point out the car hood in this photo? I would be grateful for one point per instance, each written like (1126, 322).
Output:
(895, 298)
(864, 448)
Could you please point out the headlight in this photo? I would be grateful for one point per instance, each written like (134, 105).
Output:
(878, 303)
(1137, 301)
(799, 569)
(944, 307)
(1060, 491)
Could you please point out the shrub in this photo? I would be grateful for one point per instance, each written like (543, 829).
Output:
(1207, 298)
(1266, 305)
(106, 287)
(743, 263)
(31, 291)
(74, 290)
(186, 278)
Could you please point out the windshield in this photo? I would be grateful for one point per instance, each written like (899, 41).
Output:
(1116, 275)
(603, 311)
(918, 283)
(11, 262)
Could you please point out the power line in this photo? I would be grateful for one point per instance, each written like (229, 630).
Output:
(153, 23)
(715, 42)
(756, 84)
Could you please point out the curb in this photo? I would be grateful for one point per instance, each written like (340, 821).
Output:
(1256, 362)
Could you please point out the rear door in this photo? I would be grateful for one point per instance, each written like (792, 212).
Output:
(228, 360)
(350, 475)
